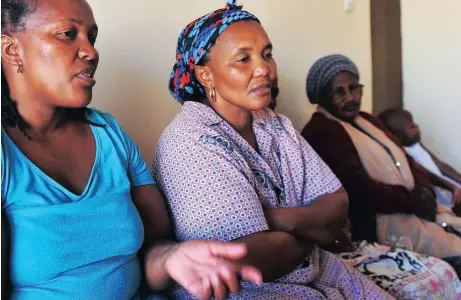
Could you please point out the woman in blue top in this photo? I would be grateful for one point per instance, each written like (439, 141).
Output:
(78, 198)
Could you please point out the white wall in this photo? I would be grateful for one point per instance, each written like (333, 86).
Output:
(137, 41)
(431, 41)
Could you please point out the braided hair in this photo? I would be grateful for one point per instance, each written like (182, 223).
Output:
(14, 16)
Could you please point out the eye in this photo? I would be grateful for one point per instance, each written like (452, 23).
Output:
(340, 92)
(92, 38)
(68, 34)
(268, 55)
(243, 59)
(355, 87)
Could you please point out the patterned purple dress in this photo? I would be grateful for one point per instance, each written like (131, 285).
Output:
(217, 186)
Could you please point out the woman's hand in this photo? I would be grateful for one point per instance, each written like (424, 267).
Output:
(318, 223)
(343, 242)
(209, 268)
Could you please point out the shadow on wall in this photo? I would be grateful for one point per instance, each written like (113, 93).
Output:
(141, 103)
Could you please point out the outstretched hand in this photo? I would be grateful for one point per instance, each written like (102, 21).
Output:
(210, 268)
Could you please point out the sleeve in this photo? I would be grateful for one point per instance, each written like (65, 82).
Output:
(138, 171)
(209, 196)
(4, 173)
(319, 180)
(336, 148)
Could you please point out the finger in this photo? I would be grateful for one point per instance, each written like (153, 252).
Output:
(249, 273)
(227, 250)
(219, 288)
(206, 291)
(200, 287)
(230, 278)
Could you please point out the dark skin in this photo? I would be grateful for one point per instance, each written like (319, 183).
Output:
(342, 98)
(46, 85)
(241, 61)
(241, 70)
(409, 133)
(57, 60)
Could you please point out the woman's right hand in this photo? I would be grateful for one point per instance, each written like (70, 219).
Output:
(209, 268)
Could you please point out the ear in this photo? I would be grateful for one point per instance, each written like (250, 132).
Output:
(204, 76)
(10, 53)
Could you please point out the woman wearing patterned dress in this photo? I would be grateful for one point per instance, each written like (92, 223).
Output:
(232, 170)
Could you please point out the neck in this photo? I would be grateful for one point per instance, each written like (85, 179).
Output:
(41, 119)
(323, 110)
(240, 119)
(409, 144)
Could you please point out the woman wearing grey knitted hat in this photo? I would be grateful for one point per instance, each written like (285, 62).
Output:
(391, 197)
(336, 68)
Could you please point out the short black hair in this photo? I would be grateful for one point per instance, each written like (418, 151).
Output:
(394, 119)
(15, 14)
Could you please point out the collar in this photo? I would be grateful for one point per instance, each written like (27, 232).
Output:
(94, 116)
(209, 117)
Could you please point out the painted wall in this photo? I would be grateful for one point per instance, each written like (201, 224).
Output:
(431, 42)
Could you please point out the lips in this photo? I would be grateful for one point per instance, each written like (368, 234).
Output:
(351, 107)
(262, 89)
(86, 76)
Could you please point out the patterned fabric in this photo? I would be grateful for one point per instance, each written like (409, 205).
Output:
(217, 187)
(323, 71)
(405, 274)
(194, 42)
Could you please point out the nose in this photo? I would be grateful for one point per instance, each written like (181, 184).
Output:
(348, 96)
(88, 52)
(262, 69)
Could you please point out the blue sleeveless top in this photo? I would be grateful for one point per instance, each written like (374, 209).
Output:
(68, 246)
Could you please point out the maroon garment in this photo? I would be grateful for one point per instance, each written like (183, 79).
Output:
(367, 196)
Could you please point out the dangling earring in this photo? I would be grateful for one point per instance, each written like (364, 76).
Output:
(212, 94)
(18, 68)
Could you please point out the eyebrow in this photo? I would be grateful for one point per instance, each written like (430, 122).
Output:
(73, 20)
(80, 22)
(246, 49)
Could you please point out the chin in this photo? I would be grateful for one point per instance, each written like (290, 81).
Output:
(78, 101)
(261, 103)
(349, 116)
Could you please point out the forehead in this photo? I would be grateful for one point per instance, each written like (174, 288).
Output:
(49, 11)
(344, 78)
(243, 34)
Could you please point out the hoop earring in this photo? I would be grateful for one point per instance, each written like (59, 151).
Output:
(212, 94)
